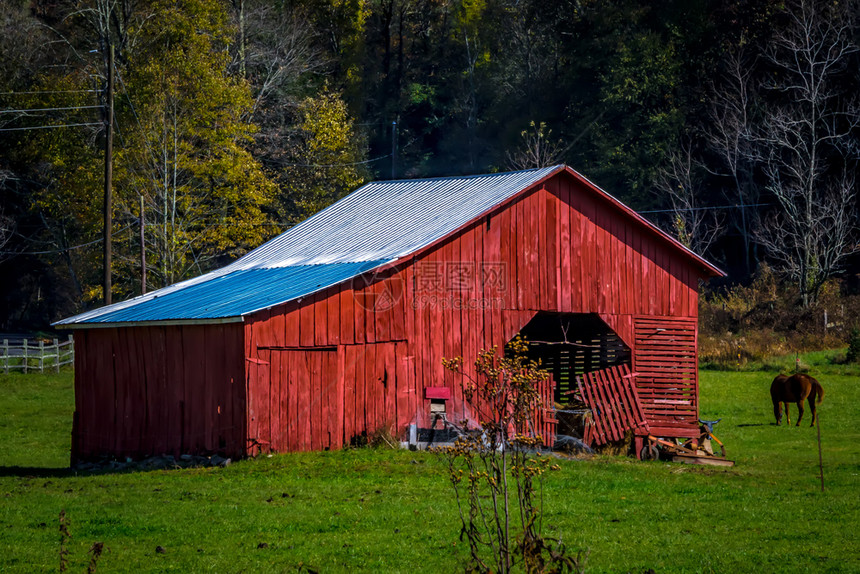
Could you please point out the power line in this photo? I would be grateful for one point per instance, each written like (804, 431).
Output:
(332, 164)
(49, 127)
(54, 251)
(49, 92)
(705, 208)
(126, 228)
(50, 109)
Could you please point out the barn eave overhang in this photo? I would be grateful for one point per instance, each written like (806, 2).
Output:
(157, 323)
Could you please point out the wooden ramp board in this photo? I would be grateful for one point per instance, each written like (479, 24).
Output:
(707, 460)
(614, 402)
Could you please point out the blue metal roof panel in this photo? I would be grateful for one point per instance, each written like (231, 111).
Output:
(230, 295)
(378, 223)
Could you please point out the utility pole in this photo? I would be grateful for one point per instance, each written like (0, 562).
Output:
(108, 203)
(394, 150)
(142, 250)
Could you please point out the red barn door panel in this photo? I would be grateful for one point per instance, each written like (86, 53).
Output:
(665, 361)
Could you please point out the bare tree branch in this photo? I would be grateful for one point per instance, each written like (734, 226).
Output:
(729, 136)
(809, 148)
(694, 226)
(536, 149)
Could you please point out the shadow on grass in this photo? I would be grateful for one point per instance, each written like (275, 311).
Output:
(756, 425)
(35, 472)
(48, 472)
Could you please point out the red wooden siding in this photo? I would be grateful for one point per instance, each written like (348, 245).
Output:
(142, 391)
(318, 372)
(357, 357)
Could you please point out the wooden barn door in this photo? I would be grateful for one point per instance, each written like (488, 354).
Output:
(296, 401)
(665, 363)
(318, 398)
(376, 389)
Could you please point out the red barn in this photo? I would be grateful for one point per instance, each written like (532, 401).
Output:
(336, 327)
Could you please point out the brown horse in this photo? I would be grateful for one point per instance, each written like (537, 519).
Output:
(795, 389)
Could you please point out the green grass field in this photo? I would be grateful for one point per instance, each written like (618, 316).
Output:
(385, 511)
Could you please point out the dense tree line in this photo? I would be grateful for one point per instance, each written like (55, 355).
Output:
(734, 125)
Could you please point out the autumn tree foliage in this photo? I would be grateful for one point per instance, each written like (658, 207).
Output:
(733, 125)
(187, 151)
(191, 127)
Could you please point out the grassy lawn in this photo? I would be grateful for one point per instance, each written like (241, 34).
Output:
(385, 511)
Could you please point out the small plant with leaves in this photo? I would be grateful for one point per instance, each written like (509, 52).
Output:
(497, 469)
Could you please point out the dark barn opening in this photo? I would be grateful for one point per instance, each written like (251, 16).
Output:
(570, 344)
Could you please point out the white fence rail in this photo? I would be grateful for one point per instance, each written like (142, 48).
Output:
(36, 356)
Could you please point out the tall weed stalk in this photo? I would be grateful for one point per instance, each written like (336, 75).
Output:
(497, 469)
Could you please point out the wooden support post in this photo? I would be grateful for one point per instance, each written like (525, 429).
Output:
(5, 356)
(108, 181)
(820, 458)
(41, 356)
(25, 356)
(56, 356)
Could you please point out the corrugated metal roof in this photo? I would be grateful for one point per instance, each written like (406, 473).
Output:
(373, 226)
(228, 295)
(390, 219)
(378, 223)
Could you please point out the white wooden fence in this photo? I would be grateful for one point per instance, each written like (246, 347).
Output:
(36, 356)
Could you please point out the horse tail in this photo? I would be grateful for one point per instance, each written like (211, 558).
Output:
(819, 393)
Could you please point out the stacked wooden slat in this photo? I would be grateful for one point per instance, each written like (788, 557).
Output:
(611, 395)
(546, 421)
(665, 361)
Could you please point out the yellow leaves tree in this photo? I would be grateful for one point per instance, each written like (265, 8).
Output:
(187, 152)
(326, 157)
